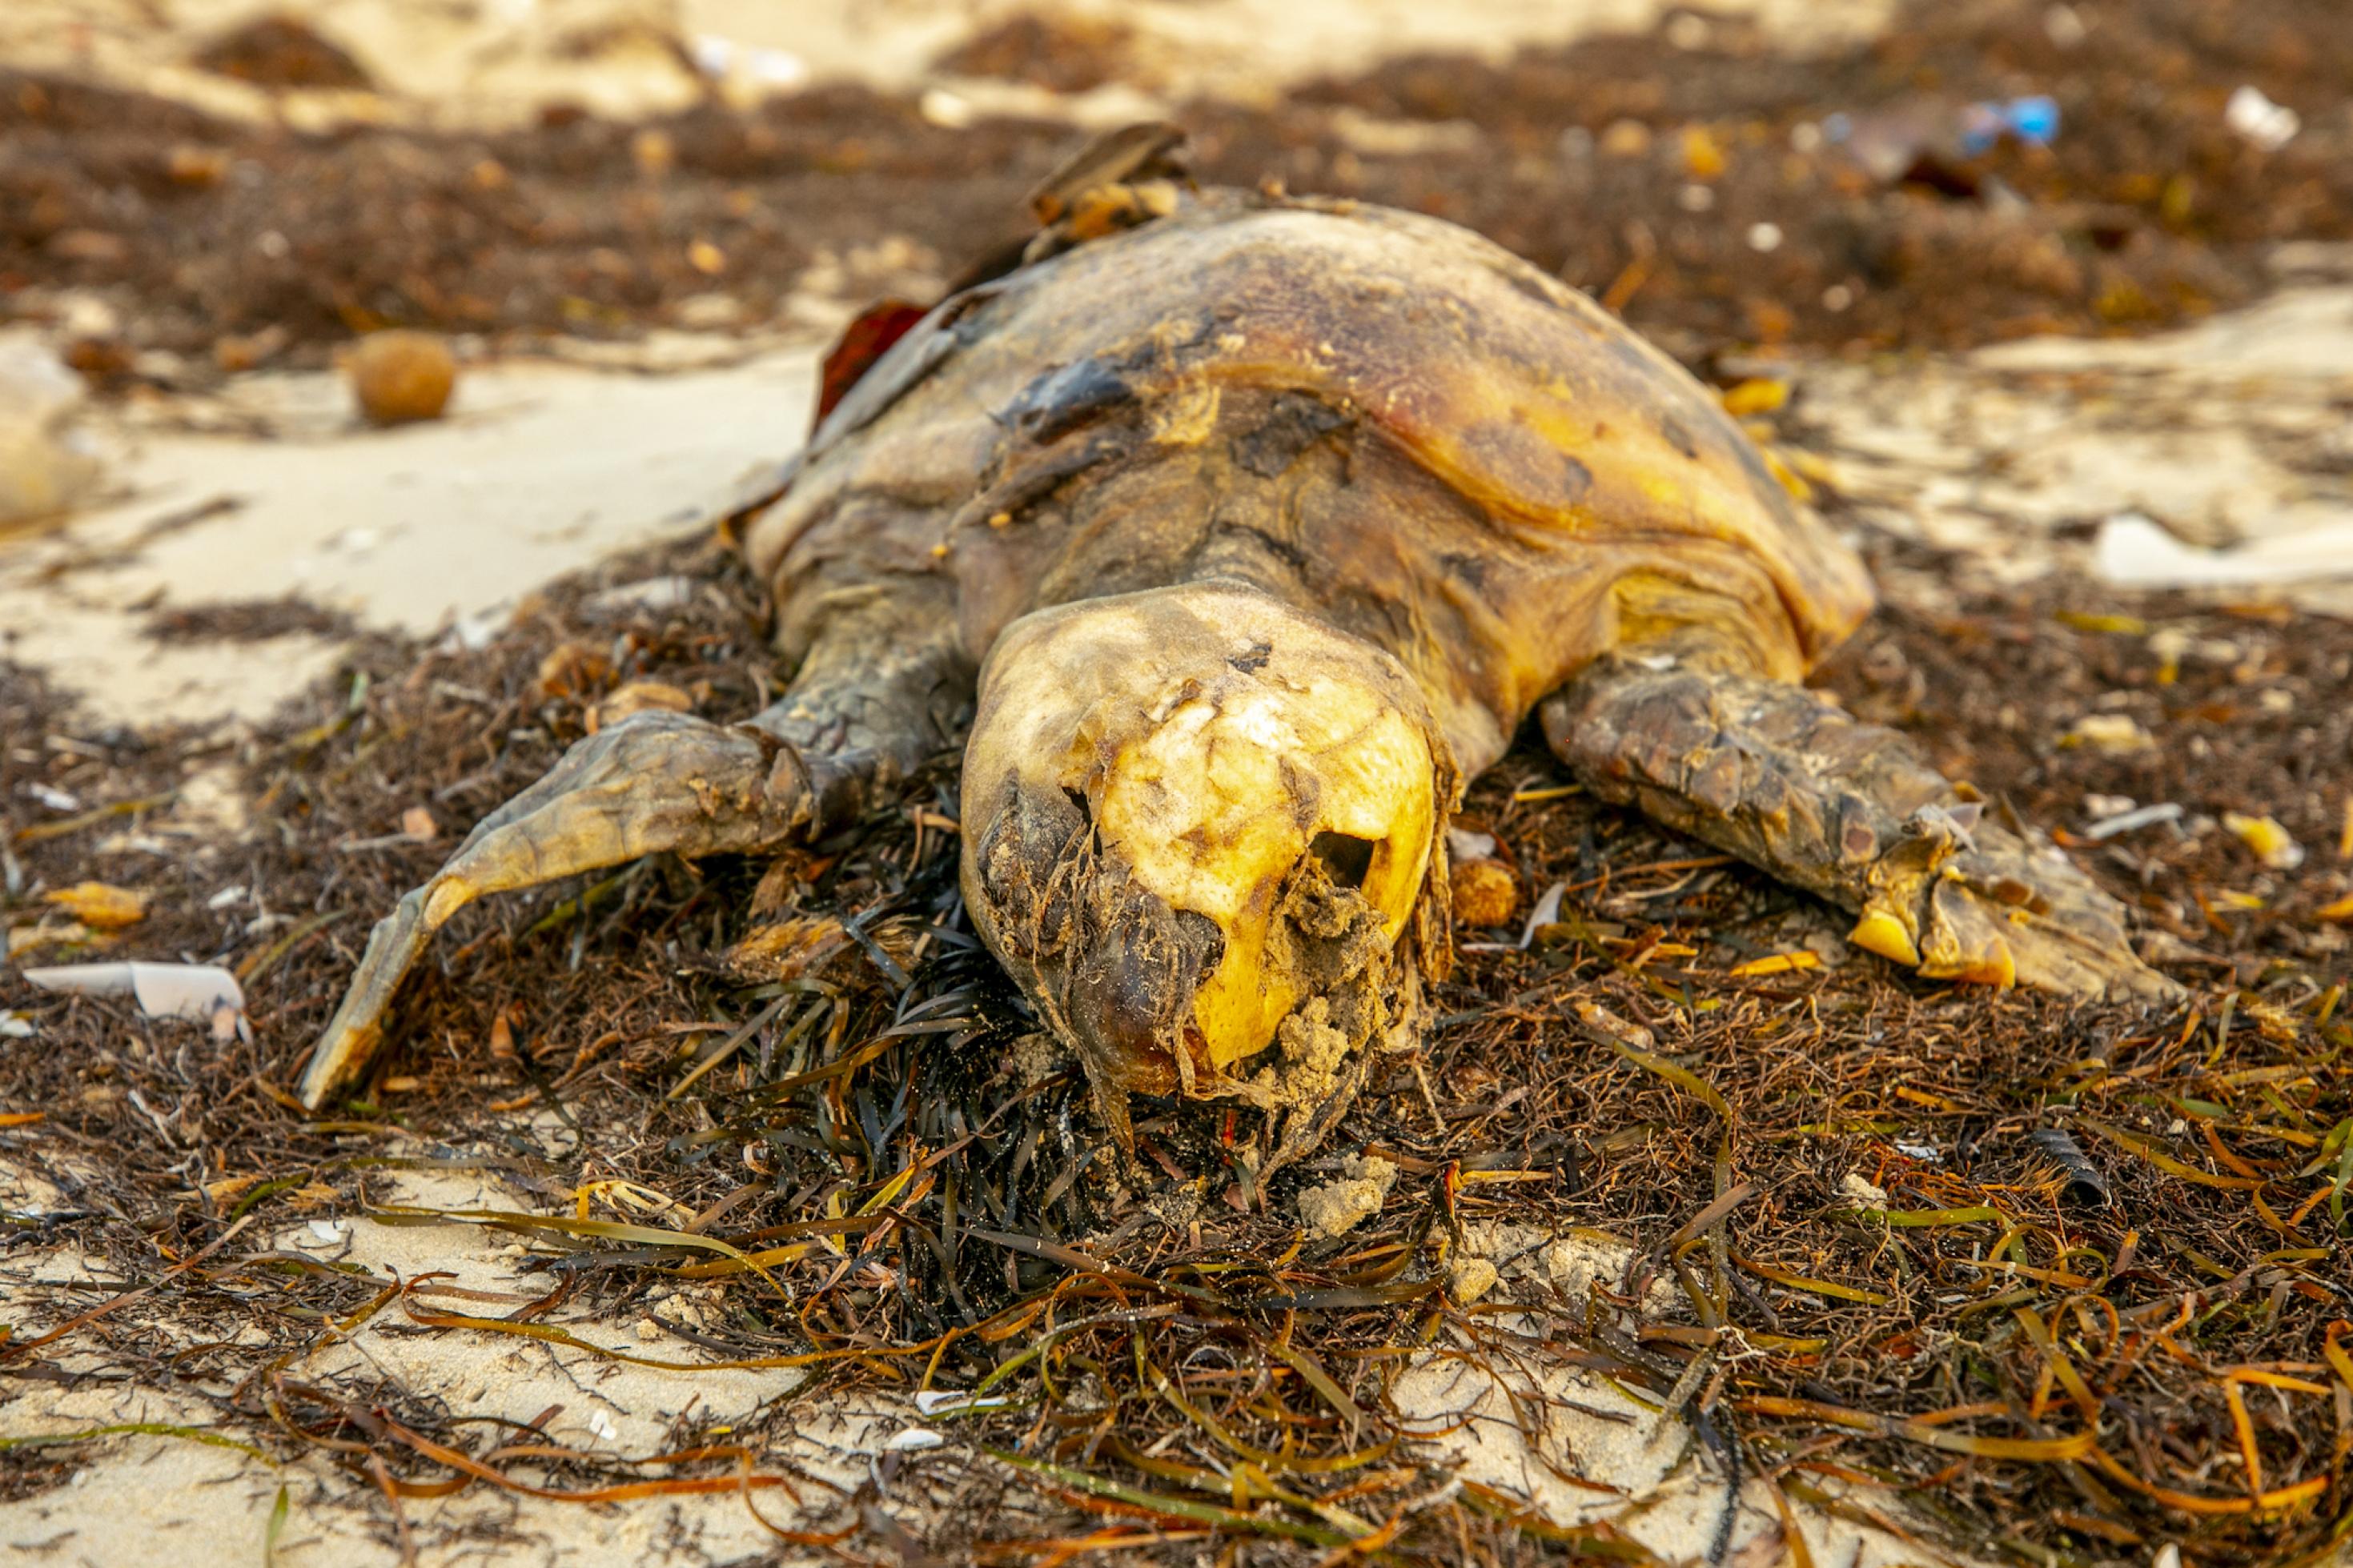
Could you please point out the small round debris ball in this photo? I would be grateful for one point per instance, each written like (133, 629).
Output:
(1485, 894)
(399, 377)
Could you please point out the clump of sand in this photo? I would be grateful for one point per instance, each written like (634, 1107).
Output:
(1341, 1206)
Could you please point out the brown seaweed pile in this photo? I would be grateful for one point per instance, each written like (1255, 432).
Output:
(1685, 176)
(2058, 1282)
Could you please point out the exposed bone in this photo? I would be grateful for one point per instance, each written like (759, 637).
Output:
(1192, 816)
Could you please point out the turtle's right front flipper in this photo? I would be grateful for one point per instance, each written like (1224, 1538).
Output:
(884, 687)
(1777, 776)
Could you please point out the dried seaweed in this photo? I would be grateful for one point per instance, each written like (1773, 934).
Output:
(895, 1195)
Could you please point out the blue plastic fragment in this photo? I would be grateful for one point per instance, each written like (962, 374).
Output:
(2034, 119)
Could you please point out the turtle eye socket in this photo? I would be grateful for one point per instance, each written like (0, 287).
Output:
(1347, 858)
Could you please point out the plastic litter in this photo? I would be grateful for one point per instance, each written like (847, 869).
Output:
(2270, 126)
(2034, 119)
(198, 990)
(2128, 821)
(933, 1402)
(1921, 138)
(47, 467)
(2134, 550)
(725, 59)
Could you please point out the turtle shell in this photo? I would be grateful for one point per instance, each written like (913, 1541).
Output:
(1376, 415)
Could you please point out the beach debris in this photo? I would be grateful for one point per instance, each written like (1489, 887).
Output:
(99, 905)
(401, 378)
(47, 467)
(1546, 913)
(1931, 142)
(1464, 844)
(2112, 732)
(2134, 550)
(948, 110)
(2257, 118)
(935, 1402)
(1703, 154)
(1757, 394)
(2032, 120)
(1777, 963)
(2265, 839)
(199, 991)
(2132, 818)
(668, 592)
(747, 66)
(2084, 1184)
(54, 798)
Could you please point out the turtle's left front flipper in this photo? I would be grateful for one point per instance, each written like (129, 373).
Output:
(1777, 776)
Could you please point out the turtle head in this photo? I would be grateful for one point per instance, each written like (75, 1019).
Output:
(1199, 824)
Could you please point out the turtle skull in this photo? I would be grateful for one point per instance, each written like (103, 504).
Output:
(1199, 825)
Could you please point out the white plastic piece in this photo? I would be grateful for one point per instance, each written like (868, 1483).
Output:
(162, 990)
(2128, 820)
(946, 109)
(47, 467)
(724, 60)
(2134, 552)
(2270, 126)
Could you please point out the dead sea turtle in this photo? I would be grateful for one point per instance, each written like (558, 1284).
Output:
(1228, 533)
